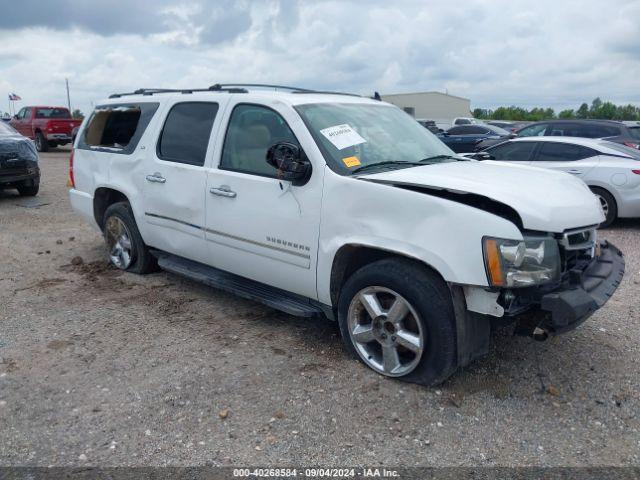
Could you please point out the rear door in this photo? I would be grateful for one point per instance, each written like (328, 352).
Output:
(574, 159)
(175, 178)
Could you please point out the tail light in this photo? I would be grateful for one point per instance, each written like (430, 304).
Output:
(71, 182)
(637, 172)
(632, 145)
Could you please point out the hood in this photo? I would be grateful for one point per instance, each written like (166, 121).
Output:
(545, 200)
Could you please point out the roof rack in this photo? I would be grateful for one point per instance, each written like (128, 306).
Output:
(153, 91)
(225, 87)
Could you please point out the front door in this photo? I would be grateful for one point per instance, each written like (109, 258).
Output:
(258, 226)
(175, 180)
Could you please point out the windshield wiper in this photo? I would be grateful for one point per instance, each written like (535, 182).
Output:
(440, 157)
(386, 162)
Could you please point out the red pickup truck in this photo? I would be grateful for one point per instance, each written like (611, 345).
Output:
(47, 126)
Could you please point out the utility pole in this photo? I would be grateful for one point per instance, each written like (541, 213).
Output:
(66, 81)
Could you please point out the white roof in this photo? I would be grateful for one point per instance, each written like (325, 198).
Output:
(603, 146)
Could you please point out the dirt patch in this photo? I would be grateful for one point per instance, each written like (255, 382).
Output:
(42, 284)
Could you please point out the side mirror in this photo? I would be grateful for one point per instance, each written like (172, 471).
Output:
(290, 161)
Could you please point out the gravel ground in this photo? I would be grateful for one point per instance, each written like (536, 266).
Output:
(103, 368)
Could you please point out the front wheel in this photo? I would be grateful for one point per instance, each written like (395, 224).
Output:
(609, 206)
(28, 190)
(126, 249)
(397, 317)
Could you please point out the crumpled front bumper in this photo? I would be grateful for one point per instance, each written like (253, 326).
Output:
(584, 292)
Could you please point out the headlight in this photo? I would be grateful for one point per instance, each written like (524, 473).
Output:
(515, 263)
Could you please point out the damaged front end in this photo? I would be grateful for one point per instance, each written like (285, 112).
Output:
(589, 272)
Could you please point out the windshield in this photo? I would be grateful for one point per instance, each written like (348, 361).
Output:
(356, 135)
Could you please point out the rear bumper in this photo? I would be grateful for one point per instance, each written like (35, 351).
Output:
(583, 294)
(82, 203)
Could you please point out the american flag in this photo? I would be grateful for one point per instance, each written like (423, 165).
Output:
(13, 97)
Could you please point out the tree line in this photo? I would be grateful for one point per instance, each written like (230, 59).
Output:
(598, 109)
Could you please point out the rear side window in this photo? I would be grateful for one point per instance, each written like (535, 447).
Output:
(52, 113)
(533, 130)
(514, 151)
(563, 152)
(186, 132)
(117, 128)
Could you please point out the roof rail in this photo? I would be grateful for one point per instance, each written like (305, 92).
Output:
(219, 86)
(153, 91)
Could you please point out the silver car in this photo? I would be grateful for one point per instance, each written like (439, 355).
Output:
(611, 170)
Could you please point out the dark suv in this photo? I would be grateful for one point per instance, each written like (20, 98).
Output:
(18, 162)
(611, 130)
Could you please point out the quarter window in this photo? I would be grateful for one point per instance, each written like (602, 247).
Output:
(533, 130)
(252, 130)
(186, 132)
(116, 128)
(562, 152)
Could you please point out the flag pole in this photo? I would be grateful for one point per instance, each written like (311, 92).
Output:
(66, 81)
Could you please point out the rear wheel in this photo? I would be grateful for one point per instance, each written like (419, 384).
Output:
(41, 143)
(397, 318)
(609, 206)
(126, 249)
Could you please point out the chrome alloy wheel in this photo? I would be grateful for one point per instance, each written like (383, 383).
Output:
(386, 331)
(118, 240)
(604, 204)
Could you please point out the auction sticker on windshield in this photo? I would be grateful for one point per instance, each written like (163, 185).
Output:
(342, 136)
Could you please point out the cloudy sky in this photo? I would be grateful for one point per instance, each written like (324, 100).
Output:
(495, 52)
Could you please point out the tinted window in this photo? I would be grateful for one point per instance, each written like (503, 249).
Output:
(562, 152)
(116, 128)
(252, 130)
(467, 130)
(514, 151)
(635, 132)
(186, 132)
(462, 121)
(533, 130)
(598, 131)
(52, 113)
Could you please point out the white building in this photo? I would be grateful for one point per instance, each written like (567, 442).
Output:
(439, 107)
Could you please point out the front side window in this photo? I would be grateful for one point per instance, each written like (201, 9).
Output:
(513, 151)
(562, 152)
(354, 135)
(186, 132)
(116, 128)
(252, 130)
(533, 130)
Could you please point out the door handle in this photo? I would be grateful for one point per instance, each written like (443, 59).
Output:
(223, 191)
(574, 171)
(156, 178)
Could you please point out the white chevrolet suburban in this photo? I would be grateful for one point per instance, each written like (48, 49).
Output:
(333, 205)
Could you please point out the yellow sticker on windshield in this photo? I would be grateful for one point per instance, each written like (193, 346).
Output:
(351, 161)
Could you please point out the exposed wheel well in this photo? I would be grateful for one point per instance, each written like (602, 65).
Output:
(104, 197)
(350, 258)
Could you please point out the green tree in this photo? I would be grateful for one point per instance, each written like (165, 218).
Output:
(77, 114)
(569, 113)
(583, 111)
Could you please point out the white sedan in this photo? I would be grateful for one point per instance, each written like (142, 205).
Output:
(611, 170)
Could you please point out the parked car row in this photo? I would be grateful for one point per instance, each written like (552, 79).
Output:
(611, 170)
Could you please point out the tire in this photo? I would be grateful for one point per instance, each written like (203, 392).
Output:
(28, 190)
(127, 252)
(41, 143)
(609, 205)
(430, 318)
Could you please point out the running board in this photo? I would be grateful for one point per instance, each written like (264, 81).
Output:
(282, 300)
